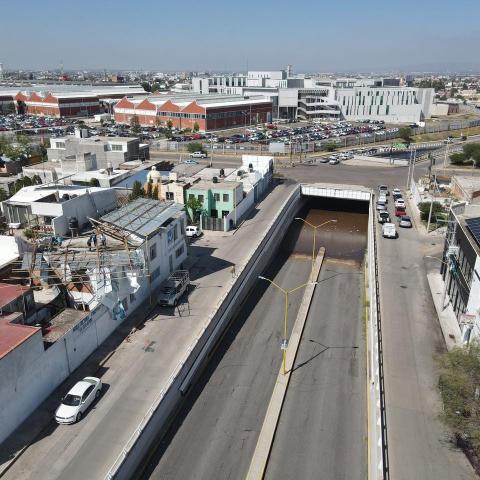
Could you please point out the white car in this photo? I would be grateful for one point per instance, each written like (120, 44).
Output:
(192, 231)
(399, 202)
(389, 230)
(190, 162)
(78, 399)
(198, 155)
(396, 191)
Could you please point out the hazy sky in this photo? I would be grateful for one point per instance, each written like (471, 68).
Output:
(314, 35)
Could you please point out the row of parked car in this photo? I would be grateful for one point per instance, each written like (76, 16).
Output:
(389, 229)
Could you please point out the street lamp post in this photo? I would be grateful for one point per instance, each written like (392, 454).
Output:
(286, 293)
(315, 227)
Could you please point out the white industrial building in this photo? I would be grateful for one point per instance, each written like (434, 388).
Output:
(298, 98)
(51, 206)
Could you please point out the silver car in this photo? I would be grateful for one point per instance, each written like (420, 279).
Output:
(405, 222)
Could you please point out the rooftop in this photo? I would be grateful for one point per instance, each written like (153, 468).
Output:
(36, 193)
(13, 334)
(220, 185)
(9, 292)
(62, 323)
(142, 217)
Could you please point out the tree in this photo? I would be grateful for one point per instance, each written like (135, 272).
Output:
(137, 190)
(149, 188)
(169, 124)
(330, 147)
(135, 125)
(438, 211)
(458, 158)
(155, 192)
(3, 195)
(195, 147)
(472, 153)
(94, 182)
(196, 127)
(146, 86)
(405, 133)
(459, 385)
(194, 207)
(27, 182)
(155, 87)
(36, 180)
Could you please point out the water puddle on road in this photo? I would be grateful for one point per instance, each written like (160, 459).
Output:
(345, 239)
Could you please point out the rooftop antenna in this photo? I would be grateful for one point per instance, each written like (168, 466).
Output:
(61, 68)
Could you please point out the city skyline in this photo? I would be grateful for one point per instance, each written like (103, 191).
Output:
(311, 36)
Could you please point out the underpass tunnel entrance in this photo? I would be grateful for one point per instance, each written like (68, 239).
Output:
(344, 239)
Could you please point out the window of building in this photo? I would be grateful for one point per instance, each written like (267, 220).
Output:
(216, 197)
(191, 196)
(125, 303)
(60, 144)
(179, 251)
(182, 227)
(116, 147)
(201, 198)
(132, 298)
(175, 233)
(225, 213)
(169, 195)
(226, 197)
(153, 251)
(155, 274)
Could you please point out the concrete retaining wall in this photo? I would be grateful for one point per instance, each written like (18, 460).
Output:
(187, 372)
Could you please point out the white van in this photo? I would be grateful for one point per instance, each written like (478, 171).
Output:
(192, 231)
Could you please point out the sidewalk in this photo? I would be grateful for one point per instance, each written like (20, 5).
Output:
(446, 316)
(134, 369)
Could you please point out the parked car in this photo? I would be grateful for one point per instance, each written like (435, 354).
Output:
(198, 155)
(173, 288)
(396, 191)
(405, 222)
(389, 230)
(190, 162)
(400, 211)
(383, 189)
(192, 231)
(400, 202)
(324, 160)
(383, 217)
(75, 403)
(381, 207)
(334, 161)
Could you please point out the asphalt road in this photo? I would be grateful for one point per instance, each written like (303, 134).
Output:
(215, 433)
(322, 428)
(418, 443)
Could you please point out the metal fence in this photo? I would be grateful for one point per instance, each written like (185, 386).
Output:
(308, 147)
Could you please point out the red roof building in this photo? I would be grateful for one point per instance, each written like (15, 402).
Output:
(209, 112)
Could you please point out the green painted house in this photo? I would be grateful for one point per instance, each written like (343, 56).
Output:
(218, 198)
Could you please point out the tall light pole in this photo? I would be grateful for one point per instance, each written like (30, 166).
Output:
(315, 227)
(286, 293)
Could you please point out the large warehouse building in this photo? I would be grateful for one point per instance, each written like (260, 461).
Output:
(210, 112)
(70, 104)
(65, 101)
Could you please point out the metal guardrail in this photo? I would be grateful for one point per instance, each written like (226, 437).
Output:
(113, 470)
(379, 447)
